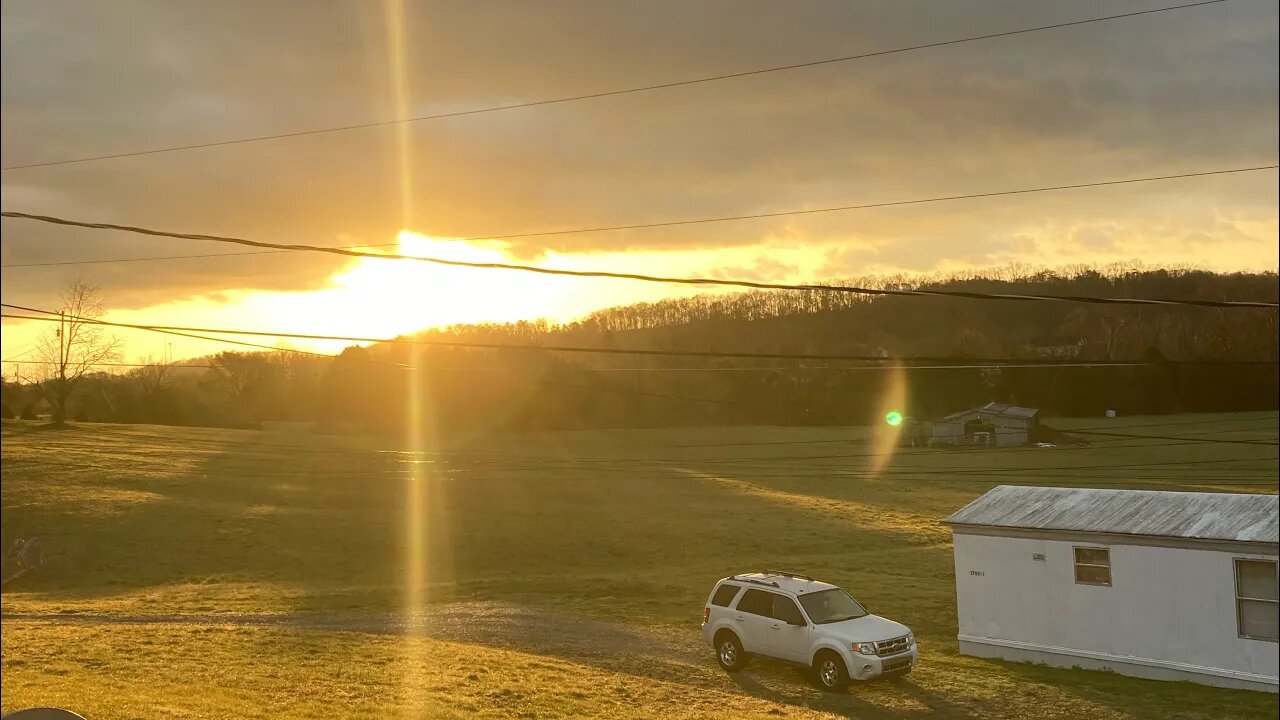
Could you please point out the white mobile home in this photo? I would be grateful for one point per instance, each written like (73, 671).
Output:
(1163, 585)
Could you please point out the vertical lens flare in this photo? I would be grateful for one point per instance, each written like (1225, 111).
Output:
(886, 436)
(415, 589)
(417, 498)
(416, 550)
(400, 99)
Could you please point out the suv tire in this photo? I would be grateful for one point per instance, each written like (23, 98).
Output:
(830, 672)
(729, 652)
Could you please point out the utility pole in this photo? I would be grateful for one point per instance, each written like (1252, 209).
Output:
(62, 346)
(60, 390)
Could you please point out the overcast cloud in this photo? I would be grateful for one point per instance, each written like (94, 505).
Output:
(1182, 91)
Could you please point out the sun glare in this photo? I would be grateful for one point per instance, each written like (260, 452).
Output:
(413, 295)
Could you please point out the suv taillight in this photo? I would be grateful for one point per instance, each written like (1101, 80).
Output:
(706, 615)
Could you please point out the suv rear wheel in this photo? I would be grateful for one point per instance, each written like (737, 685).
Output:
(729, 652)
(830, 671)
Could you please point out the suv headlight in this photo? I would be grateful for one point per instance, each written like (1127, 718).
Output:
(911, 639)
(864, 648)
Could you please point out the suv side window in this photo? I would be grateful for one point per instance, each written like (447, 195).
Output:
(784, 609)
(756, 602)
(725, 595)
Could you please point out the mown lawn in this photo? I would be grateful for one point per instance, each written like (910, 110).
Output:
(626, 527)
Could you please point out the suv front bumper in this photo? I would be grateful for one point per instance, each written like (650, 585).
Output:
(865, 667)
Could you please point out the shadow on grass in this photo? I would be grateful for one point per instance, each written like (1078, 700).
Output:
(794, 685)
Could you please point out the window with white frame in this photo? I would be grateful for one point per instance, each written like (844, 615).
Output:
(1257, 600)
(1093, 565)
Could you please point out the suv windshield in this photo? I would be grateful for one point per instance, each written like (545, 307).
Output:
(829, 606)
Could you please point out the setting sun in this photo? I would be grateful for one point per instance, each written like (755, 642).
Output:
(411, 295)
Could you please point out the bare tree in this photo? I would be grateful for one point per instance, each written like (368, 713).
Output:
(74, 347)
(151, 379)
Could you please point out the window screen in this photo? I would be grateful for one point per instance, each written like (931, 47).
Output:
(756, 602)
(1093, 566)
(725, 595)
(1257, 599)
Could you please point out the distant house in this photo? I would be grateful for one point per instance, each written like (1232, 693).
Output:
(1161, 585)
(992, 425)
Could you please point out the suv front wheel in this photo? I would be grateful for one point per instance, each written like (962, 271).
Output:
(829, 669)
(729, 652)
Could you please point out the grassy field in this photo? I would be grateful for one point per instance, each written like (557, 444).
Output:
(192, 572)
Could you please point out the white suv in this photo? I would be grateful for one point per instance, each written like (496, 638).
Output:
(801, 620)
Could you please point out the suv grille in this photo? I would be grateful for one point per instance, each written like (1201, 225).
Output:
(891, 647)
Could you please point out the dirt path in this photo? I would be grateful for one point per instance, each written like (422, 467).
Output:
(666, 653)
(672, 654)
(661, 652)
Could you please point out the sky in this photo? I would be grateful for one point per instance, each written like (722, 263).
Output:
(1182, 91)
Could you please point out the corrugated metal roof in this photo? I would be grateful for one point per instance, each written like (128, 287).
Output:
(1010, 410)
(1208, 516)
(1003, 409)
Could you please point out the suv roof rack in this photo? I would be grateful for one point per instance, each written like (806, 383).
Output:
(753, 581)
(785, 573)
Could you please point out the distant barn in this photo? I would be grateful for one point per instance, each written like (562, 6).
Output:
(993, 425)
(1162, 585)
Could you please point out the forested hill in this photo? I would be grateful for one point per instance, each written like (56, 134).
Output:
(854, 324)
(467, 390)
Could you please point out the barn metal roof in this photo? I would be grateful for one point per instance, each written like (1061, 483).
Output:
(1207, 516)
(1004, 409)
(1010, 410)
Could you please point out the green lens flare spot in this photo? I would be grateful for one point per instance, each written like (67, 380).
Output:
(893, 417)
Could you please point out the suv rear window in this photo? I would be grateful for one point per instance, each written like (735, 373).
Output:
(756, 602)
(725, 595)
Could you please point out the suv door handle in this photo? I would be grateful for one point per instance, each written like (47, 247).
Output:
(775, 626)
(739, 618)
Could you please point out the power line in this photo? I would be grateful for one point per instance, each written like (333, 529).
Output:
(953, 363)
(179, 332)
(192, 333)
(347, 251)
(1079, 480)
(752, 462)
(707, 281)
(608, 93)
(758, 462)
(1171, 437)
(1058, 430)
(914, 474)
(168, 257)
(25, 349)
